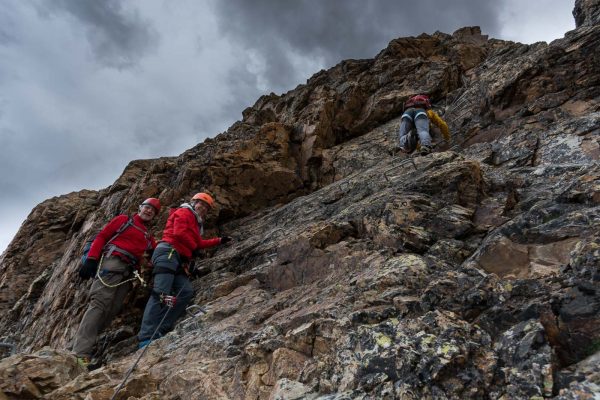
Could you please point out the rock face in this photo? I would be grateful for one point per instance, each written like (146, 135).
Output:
(470, 273)
(586, 12)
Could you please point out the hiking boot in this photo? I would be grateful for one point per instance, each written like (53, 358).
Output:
(143, 343)
(400, 149)
(425, 150)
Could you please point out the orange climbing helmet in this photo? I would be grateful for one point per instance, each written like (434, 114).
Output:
(205, 197)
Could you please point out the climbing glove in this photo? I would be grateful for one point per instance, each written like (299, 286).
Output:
(88, 268)
(194, 272)
(226, 239)
(196, 253)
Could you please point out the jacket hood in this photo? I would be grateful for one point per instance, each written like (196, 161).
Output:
(189, 207)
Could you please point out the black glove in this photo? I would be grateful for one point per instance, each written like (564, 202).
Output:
(194, 272)
(88, 268)
(226, 239)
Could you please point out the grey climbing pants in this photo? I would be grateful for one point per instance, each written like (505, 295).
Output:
(414, 118)
(169, 280)
(105, 304)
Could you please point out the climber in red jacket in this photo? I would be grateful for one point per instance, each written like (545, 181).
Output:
(182, 239)
(115, 254)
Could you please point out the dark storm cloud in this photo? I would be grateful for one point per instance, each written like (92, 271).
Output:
(118, 37)
(5, 38)
(329, 31)
(67, 122)
(6, 26)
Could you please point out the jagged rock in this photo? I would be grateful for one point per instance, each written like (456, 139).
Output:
(581, 380)
(286, 389)
(47, 227)
(422, 354)
(586, 12)
(525, 358)
(585, 259)
(357, 273)
(32, 376)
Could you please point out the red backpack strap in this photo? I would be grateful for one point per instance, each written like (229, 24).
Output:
(126, 225)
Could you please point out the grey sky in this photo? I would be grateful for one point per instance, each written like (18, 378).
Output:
(86, 86)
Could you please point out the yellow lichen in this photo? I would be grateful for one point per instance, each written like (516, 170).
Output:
(447, 348)
(383, 340)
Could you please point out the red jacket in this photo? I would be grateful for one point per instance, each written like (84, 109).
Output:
(183, 232)
(131, 239)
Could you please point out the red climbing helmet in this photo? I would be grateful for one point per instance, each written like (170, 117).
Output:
(152, 202)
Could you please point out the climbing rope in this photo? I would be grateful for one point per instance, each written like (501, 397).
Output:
(136, 275)
(169, 305)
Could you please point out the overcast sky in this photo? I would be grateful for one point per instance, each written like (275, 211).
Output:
(88, 85)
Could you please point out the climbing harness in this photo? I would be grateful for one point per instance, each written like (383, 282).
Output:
(168, 301)
(88, 244)
(136, 275)
(109, 248)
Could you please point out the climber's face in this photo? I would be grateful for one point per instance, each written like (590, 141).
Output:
(147, 212)
(201, 208)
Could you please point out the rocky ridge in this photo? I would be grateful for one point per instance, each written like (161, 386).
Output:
(357, 272)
